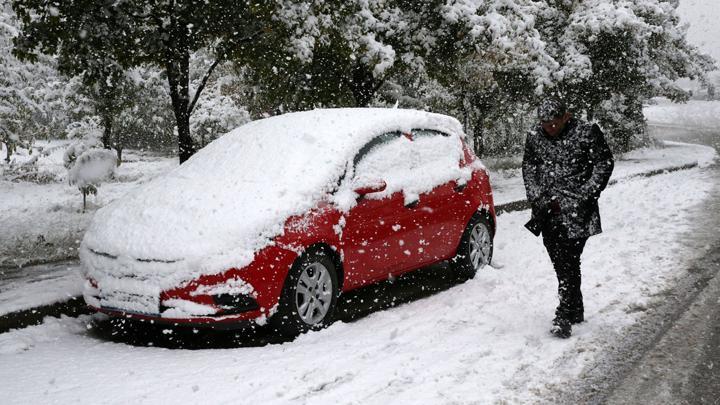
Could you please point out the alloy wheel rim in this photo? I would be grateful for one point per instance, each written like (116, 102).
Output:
(313, 293)
(480, 244)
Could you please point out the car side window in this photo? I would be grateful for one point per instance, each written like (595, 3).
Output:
(388, 158)
(427, 133)
(377, 141)
(413, 165)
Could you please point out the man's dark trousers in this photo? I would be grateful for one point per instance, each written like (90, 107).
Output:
(565, 256)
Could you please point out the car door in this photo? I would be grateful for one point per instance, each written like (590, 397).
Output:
(374, 237)
(443, 206)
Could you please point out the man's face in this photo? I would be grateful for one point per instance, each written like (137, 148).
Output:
(555, 126)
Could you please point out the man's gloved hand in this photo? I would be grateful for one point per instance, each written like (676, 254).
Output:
(554, 206)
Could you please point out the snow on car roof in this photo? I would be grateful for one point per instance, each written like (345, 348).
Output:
(233, 196)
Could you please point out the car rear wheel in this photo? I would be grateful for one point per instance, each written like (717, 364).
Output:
(476, 247)
(309, 296)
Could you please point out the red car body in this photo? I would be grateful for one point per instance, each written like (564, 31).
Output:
(393, 210)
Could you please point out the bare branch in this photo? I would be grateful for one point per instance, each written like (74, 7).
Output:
(220, 57)
(202, 84)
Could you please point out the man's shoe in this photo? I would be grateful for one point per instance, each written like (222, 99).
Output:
(561, 328)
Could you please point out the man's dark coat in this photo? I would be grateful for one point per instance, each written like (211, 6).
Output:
(573, 168)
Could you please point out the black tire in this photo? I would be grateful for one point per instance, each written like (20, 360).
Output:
(462, 263)
(291, 318)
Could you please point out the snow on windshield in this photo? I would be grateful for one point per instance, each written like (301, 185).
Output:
(231, 198)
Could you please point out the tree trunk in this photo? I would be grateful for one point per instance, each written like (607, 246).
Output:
(8, 151)
(178, 71)
(479, 137)
(107, 132)
(118, 150)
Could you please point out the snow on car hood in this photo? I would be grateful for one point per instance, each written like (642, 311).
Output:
(232, 197)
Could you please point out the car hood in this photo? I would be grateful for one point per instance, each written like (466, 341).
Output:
(233, 197)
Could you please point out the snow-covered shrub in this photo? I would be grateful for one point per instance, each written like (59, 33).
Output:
(72, 153)
(91, 168)
(37, 164)
(87, 130)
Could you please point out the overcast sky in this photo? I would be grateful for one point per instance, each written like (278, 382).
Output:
(704, 19)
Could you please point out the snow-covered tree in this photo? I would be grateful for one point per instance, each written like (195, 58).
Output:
(142, 113)
(32, 96)
(163, 33)
(219, 107)
(215, 115)
(613, 54)
(342, 53)
(134, 111)
(89, 169)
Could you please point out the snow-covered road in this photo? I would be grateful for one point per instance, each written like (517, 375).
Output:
(482, 341)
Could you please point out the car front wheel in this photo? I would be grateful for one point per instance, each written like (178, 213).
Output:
(476, 247)
(309, 296)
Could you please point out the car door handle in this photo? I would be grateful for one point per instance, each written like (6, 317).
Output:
(412, 204)
(460, 187)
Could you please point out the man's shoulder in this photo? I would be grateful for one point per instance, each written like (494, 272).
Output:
(587, 128)
(534, 132)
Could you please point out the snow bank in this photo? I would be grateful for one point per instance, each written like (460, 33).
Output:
(232, 197)
(691, 115)
(44, 221)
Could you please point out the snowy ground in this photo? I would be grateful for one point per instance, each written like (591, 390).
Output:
(691, 115)
(485, 341)
(44, 222)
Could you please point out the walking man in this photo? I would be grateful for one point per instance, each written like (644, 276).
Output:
(566, 166)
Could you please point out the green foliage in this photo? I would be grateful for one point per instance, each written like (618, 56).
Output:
(487, 62)
(104, 38)
(615, 54)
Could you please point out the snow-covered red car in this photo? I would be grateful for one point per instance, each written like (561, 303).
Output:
(275, 219)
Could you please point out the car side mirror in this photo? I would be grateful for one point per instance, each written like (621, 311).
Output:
(370, 187)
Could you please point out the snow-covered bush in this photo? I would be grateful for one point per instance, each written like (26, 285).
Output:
(72, 153)
(88, 130)
(91, 168)
(622, 117)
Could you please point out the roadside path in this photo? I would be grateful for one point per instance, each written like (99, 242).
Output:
(672, 355)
